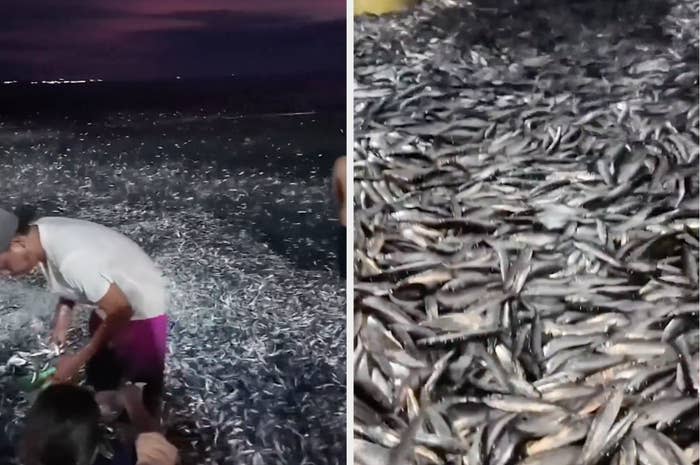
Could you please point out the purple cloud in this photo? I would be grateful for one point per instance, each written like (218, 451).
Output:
(135, 39)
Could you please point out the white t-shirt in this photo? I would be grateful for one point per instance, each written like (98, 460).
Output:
(83, 259)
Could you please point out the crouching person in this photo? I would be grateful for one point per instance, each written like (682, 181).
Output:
(63, 428)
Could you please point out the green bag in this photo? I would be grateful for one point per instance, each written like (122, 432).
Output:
(37, 381)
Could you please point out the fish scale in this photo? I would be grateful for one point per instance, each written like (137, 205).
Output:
(576, 186)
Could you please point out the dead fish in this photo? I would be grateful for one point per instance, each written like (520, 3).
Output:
(600, 427)
(657, 448)
(540, 424)
(386, 309)
(634, 348)
(403, 450)
(369, 453)
(535, 232)
(458, 337)
(567, 455)
(429, 278)
(615, 436)
(566, 391)
(568, 342)
(664, 412)
(456, 322)
(659, 65)
(627, 455)
(597, 253)
(569, 433)
(516, 404)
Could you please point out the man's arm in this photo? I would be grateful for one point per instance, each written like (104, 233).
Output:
(339, 170)
(339, 179)
(118, 313)
(63, 318)
(80, 273)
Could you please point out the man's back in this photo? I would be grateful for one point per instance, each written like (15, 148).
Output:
(74, 248)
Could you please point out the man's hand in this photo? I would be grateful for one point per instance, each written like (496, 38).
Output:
(68, 367)
(116, 306)
(59, 336)
(154, 449)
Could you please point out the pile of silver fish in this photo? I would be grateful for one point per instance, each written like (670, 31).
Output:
(256, 369)
(526, 234)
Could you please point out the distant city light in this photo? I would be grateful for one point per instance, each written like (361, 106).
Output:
(54, 81)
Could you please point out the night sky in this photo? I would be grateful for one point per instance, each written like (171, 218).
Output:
(162, 39)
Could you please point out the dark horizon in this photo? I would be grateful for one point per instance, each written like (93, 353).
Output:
(235, 96)
(330, 76)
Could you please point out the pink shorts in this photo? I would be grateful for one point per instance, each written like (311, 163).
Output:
(140, 347)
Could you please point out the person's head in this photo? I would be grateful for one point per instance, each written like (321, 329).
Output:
(62, 428)
(20, 248)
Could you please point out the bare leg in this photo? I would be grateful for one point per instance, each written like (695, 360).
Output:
(105, 370)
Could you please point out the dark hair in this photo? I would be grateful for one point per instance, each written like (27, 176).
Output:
(25, 214)
(62, 427)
